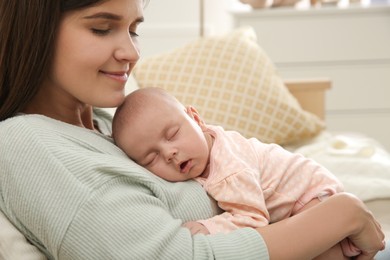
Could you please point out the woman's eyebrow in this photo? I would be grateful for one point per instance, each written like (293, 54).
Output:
(104, 15)
(111, 16)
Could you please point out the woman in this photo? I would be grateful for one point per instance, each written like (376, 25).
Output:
(73, 193)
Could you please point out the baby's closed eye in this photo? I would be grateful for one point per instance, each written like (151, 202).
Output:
(149, 159)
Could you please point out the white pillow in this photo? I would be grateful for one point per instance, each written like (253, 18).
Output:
(13, 245)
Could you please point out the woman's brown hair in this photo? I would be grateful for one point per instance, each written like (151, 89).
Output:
(27, 36)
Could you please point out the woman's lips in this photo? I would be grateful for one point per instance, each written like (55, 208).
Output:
(119, 76)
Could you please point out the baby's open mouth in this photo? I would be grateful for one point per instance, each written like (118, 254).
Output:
(183, 166)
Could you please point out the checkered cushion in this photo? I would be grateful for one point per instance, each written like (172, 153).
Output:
(232, 83)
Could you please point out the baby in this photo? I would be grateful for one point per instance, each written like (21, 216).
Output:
(253, 182)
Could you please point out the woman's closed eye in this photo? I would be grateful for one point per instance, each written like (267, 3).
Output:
(100, 32)
(133, 34)
(103, 32)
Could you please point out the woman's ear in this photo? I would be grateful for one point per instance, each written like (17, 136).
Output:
(194, 114)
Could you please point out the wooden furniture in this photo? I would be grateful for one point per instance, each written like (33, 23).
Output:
(310, 93)
(349, 45)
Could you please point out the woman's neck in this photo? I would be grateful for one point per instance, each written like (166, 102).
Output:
(57, 105)
(81, 115)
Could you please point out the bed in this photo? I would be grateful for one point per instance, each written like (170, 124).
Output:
(360, 162)
(232, 82)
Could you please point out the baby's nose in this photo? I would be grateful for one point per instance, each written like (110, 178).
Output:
(170, 155)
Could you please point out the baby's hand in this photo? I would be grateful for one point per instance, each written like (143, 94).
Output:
(196, 228)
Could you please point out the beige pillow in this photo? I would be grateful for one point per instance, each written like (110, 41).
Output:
(232, 83)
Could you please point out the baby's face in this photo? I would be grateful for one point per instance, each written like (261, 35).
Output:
(169, 142)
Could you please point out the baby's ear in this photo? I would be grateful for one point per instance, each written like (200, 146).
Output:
(194, 114)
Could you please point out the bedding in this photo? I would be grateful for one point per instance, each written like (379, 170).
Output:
(360, 162)
(13, 245)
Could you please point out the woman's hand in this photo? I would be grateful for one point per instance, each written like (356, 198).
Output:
(368, 235)
(317, 229)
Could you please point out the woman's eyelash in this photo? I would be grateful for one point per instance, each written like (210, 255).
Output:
(133, 34)
(101, 31)
(107, 31)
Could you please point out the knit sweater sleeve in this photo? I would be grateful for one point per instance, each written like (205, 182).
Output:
(125, 220)
(75, 195)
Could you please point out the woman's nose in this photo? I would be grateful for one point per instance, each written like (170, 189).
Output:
(128, 49)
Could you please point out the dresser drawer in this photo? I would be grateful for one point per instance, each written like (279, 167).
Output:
(321, 34)
(355, 86)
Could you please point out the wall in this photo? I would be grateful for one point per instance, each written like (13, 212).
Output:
(168, 24)
(173, 23)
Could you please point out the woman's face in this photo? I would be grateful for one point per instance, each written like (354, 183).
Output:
(96, 50)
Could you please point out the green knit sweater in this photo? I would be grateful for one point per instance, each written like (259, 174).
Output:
(75, 195)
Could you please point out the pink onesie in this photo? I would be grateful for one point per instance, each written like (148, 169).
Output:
(257, 184)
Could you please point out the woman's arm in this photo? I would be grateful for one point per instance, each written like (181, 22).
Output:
(343, 250)
(308, 234)
(124, 220)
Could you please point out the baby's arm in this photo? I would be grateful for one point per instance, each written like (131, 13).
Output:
(196, 228)
(240, 197)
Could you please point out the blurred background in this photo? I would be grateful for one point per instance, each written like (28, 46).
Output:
(347, 41)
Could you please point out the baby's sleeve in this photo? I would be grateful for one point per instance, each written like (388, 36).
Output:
(241, 197)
